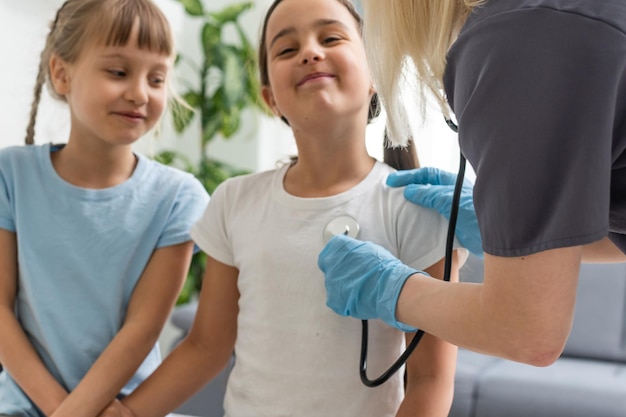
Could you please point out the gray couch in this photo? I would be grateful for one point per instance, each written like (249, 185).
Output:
(588, 380)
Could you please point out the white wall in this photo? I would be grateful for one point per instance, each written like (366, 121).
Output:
(22, 29)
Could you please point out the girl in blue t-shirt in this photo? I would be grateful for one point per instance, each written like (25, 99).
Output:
(94, 242)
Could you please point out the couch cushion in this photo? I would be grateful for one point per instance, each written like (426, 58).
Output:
(472, 270)
(469, 370)
(568, 388)
(599, 329)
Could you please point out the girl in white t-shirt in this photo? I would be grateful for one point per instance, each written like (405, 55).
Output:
(263, 295)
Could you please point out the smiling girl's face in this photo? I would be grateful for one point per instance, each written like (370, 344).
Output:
(116, 93)
(316, 63)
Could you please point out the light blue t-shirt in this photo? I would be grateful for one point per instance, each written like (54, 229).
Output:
(81, 253)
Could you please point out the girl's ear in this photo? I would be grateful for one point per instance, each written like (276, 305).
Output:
(59, 75)
(268, 98)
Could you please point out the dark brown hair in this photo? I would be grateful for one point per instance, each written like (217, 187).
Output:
(107, 22)
(400, 158)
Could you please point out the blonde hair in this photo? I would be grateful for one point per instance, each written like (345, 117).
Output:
(411, 31)
(107, 22)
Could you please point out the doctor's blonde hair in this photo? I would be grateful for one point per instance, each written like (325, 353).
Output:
(420, 31)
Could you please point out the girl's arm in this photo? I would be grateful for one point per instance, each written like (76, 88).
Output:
(431, 367)
(17, 355)
(149, 307)
(202, 354)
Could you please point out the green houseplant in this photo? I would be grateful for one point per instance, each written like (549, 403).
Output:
(225, 84)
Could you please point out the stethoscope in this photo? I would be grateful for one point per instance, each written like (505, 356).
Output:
(350, 227)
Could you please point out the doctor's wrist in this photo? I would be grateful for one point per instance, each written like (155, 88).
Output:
(408, 299)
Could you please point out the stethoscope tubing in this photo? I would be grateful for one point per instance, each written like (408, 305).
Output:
(454, 211)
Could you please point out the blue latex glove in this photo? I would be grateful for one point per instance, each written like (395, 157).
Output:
(434, 188)
(363, 280)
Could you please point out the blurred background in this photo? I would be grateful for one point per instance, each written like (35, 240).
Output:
(257, 142)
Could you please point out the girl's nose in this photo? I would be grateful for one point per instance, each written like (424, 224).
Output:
(137, 93)
(312, 53)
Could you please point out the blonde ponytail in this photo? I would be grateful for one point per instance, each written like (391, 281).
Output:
(405, 32)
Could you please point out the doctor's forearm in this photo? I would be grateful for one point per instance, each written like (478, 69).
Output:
(417, 307)
(522, 311)
(458, 315)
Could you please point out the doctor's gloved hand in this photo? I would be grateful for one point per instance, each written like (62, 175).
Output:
(434, 188)
(363, 280)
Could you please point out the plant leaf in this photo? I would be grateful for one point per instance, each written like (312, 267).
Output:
(193, 99)
(193, 7)
(231, 120)
(211, 39)
(174, 158)
(230, 13)
(234, 76)
(253, 85)
(193, 283)
(181, 115)
(211, 174)
(211, 128)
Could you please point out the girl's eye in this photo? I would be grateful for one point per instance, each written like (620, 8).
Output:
(158, 81)
(285, 51)
(331, 39)
(117, 73)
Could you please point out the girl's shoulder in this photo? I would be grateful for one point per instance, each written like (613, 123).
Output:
(17, 151)
(22, 156)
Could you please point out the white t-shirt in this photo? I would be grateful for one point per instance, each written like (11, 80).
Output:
(294, 356)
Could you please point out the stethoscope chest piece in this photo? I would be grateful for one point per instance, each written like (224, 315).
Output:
(342, 225)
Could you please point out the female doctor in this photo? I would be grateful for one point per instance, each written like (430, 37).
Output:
(538, 88)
